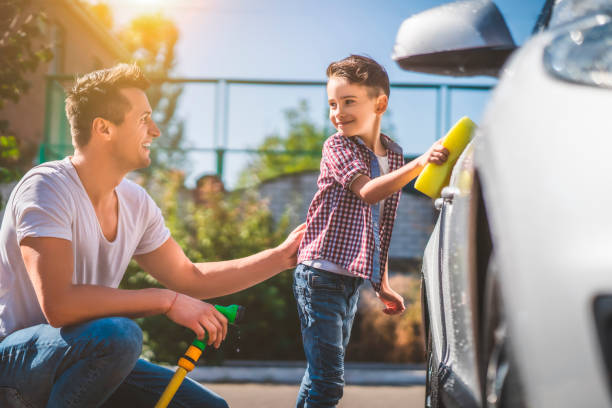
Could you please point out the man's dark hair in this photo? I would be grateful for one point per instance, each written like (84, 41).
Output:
(361, 70)
(97, 94)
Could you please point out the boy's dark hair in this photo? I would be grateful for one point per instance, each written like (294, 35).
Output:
(361, 70)
(97, 94)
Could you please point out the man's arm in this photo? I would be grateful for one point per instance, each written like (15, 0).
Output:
(171, 267)
(49, 263)
(374, 190)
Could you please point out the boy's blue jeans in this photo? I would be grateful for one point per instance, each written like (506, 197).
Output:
(327, 303)
(87, 365)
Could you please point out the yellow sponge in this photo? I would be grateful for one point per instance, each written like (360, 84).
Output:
(435, 177)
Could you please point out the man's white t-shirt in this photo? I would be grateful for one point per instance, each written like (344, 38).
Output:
(50, 201)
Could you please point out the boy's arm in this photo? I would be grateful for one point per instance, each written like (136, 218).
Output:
(393, 301)
(374, 190)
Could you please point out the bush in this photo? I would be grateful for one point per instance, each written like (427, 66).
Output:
(383, 338)
(228, 226)
(234, 225)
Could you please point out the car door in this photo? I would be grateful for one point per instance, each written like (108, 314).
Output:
(455, 265)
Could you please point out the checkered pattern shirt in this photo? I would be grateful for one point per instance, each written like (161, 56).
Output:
(338, 223)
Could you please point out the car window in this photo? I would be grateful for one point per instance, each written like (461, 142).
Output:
(568, 10)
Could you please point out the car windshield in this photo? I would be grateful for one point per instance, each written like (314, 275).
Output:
(568, 10)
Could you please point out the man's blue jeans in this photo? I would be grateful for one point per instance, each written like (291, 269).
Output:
(87, 365)
(327, 303)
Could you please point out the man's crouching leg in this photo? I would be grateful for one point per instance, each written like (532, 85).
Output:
(75, 366)
(146, 383)
(101, 354)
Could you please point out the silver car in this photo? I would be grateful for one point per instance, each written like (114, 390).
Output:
(517, 275)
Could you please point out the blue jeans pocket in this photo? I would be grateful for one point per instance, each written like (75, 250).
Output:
(321, 280)
(301, 300)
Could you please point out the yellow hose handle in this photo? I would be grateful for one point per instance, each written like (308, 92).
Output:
(187, 361)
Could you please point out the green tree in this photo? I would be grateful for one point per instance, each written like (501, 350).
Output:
(299, 150)
(228, 226)
(303, 144)
(21, 52)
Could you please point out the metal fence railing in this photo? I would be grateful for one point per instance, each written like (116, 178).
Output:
(442, 99)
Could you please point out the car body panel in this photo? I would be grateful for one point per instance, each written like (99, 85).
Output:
(446, 257)
(539, 159)
(548, 193)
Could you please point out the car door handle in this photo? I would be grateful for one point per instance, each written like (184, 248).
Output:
(448, 193)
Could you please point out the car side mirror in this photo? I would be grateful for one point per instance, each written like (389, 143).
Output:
(463, 38)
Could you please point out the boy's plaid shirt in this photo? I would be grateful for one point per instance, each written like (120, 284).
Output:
(339, 224)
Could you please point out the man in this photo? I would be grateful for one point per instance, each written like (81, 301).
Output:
(69, 231)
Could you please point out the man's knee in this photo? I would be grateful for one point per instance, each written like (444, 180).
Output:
(122, 335)
(116, 335)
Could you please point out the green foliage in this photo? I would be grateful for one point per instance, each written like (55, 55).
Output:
(9, 157)
(9, 150)
(20, 52)
(228, 226)
(297, 151)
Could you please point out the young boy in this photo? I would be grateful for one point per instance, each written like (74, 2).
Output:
(349, 223)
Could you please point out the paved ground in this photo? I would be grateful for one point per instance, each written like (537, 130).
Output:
(283, 396)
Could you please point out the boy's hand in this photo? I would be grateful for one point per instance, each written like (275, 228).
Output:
(436, 154)
(393, 301)
(291, 244)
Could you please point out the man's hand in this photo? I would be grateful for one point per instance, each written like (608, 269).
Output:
(290, 246)
(200, 317)
(436, 154)
(393, 301)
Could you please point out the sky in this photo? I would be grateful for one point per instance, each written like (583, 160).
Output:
(296, 40)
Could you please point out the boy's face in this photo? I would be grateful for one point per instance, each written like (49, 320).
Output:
(352, 110)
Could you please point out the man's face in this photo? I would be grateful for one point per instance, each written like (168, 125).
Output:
(352, 110)
(131, 141)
